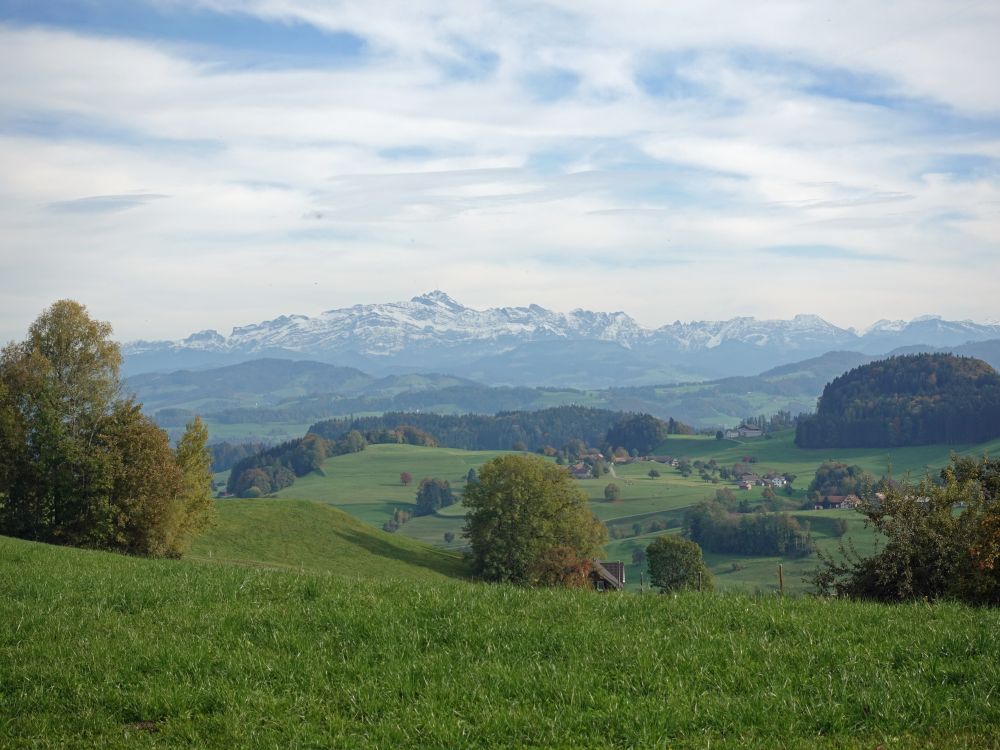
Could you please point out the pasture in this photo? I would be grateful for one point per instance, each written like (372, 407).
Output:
(102, 650)
(367, 486)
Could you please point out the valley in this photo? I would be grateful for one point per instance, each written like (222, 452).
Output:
(367, 487)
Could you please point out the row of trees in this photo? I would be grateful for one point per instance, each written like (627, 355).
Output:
(717, 530)
(837, 478)
(532, 430)
(640, 434)
(432, 495)
(276, 468)
(80, 464)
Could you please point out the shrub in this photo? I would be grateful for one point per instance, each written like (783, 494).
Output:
(676, 563)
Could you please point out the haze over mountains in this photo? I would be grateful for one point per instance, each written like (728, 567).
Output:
(535, 346)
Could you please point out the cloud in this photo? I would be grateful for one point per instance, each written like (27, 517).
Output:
(827, 252)
(701, 148)
(102, 204)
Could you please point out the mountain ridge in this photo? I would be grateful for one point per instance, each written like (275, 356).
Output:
(435, 332)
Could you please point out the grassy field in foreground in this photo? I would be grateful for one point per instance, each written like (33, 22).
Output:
(100, 650)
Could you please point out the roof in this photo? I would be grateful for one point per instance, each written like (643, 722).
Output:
(611, 572)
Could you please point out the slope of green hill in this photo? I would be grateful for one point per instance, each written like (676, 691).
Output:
(781, 454)
(367, 484)
(300, 534)
(100, 650)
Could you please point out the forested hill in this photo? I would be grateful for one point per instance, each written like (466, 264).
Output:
(525, 430)
(910, 400)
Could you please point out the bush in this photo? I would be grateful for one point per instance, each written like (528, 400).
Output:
(433, 495)
(942, 540)
(676, 563)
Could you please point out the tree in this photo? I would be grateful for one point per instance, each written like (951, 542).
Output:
(641, 432)
(942, 540)
(521, 510)
(432, 495)
(676, 563)
(80, 464)
(638, 556)
(405, 478)
(194, 459)
(837, 478)
(654, 473)
(612, 493)
(719, 435)
(471, 477)
(561, 566)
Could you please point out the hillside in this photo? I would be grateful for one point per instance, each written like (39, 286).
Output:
(305, 535)
(273, 399)
(100, 650)
(909, 400)
(366, 485)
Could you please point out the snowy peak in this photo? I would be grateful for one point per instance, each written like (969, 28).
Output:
(927, 330)
(435, 331)
(208, 339)
(800, 330)
(437, 297)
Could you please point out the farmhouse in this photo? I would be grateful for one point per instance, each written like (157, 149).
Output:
(746, 431)
(835, 502)
(608, 576)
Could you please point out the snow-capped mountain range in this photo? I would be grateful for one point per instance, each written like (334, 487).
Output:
(433, 332)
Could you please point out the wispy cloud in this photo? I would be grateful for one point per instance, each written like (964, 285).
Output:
(827, 252)
(462, 142)
(103, 204)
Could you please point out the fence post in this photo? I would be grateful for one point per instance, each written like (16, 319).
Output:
(781, 579)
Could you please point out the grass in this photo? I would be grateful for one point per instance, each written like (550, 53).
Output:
(299, 534)
(99, 650)
(366, 485)
(780, 454)
(270, 432)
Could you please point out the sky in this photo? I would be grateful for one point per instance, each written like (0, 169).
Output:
(178, 165)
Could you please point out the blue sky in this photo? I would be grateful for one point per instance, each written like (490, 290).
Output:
(188, 164)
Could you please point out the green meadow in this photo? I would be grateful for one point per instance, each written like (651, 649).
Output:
(302, 535)
(367, 486)
(101, 650)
